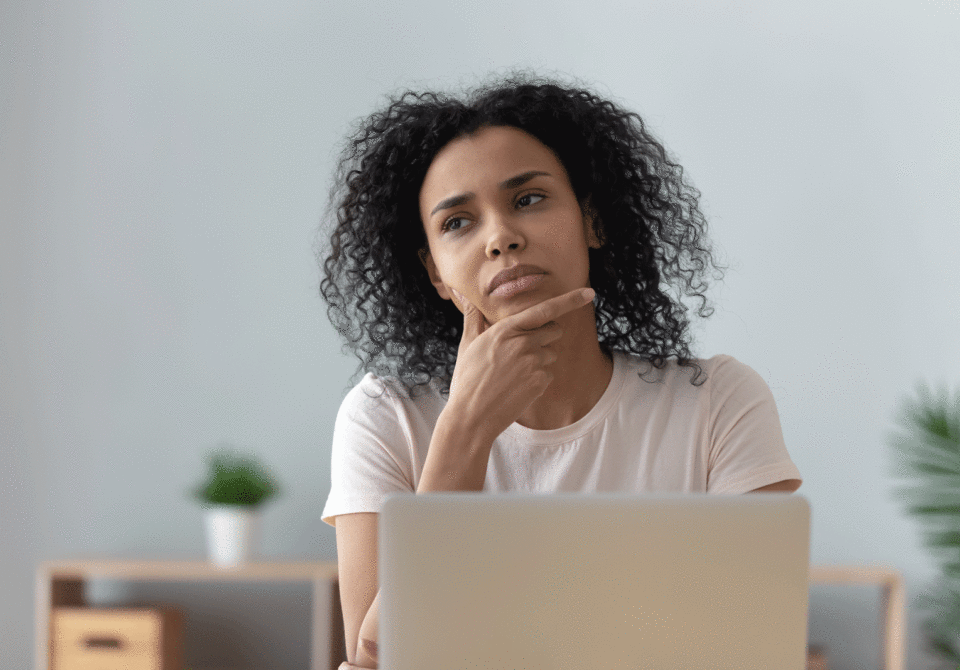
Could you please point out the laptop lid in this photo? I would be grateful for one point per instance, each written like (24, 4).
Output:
(526, 581)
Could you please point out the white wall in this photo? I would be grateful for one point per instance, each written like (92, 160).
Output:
(163, 167)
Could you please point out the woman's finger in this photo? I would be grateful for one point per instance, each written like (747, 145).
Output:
(474, 322)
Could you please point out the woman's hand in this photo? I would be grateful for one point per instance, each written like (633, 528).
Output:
(347, 666)
(503, 368)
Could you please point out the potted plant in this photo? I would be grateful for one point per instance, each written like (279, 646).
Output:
(232, 494)
(927, 450)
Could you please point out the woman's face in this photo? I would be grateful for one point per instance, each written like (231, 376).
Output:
(496, 199)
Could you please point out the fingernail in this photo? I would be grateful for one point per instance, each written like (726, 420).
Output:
(588, 293)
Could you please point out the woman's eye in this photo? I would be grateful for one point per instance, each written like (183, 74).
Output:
(448, 224)
(521, 199)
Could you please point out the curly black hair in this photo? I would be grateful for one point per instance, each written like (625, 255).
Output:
(378, 294)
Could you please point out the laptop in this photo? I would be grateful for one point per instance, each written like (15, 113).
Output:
(524, 581)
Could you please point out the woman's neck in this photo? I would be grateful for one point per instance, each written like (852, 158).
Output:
(582, 374)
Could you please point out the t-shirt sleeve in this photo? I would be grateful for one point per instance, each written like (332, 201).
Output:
(370, 457)
(747, 449)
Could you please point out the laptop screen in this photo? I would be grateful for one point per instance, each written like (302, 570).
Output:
(475, 580)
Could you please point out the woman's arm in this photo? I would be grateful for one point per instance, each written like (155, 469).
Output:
(367, 651)
(501, 369)
(357, 571)
(456, 461)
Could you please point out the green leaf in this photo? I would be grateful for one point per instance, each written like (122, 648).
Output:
(926, 451)
(236, 480)
(948, 539)
(935, 509)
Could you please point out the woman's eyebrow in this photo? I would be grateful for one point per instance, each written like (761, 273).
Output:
(512, 182)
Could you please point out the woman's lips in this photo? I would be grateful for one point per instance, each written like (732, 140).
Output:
(511, 288)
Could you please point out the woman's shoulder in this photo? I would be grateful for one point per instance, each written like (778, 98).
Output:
(727, 370)
(375, 394)
(718, 370)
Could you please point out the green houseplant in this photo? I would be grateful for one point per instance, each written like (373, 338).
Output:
(232, 494)
(927, 451)
(236, 480)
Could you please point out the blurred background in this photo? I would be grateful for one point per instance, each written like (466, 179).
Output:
(163, 171)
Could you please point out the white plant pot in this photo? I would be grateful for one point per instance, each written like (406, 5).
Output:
(233, 534)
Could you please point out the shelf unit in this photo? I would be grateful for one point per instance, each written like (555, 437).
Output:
(61, 583)
(893, 619)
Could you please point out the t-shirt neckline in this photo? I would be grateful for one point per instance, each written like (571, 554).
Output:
(585, 424)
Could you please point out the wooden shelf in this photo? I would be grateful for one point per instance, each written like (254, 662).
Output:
(185, 571)
(61, 584)
(893, 621)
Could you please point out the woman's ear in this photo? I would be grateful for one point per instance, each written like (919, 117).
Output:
(593, 227)
(431, 267)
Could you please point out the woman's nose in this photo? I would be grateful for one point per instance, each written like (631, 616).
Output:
(503, 237)
(513, 247)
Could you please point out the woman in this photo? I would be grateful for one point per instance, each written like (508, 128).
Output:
(467, 232)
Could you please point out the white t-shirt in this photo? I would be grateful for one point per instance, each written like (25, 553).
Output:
(723, 436)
